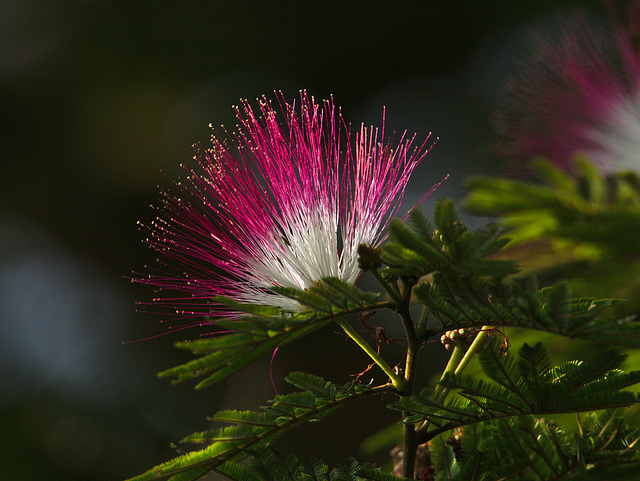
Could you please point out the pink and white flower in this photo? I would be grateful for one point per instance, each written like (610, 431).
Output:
(579, 94)
(282, 202)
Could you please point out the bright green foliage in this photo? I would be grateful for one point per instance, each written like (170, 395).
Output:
(263, 328)
(533, 449)
(418, 249)
(589, 209)
(250, 430)
(463, 301)
(528, 384)
(467, 289)
(461, 279)
(270, 465)
(581, 229)
(331, 297)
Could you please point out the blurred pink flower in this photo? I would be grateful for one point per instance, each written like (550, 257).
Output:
(579, 94)
(282, 202)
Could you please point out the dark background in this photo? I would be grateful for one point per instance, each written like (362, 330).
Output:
(101, 101)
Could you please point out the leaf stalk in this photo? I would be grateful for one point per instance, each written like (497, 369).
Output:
(397, 382)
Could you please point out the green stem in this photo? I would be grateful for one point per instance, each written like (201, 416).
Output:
(410, 442)
(413, 347)
(473, 348)
(409, 449)
(422, 324)
(456, 357)
(457, 363)
(391, 289)
(397, 382)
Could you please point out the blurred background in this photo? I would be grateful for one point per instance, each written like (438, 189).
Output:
(101, 101)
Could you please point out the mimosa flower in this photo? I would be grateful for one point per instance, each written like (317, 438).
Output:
(284, 201)
(579, 94)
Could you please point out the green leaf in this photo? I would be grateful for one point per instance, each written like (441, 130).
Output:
(529, 448)
(417, 249)
(444, 460)
(458, 301)
(270, 465)
(237, 472)
(584, 210)
(331, 296)
(251, 431)
(261, 329)
(528, 385)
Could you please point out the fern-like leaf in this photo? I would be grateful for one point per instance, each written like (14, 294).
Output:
(529, 448)
(250, 431)
(263, 328)
(465, 301)
(528, 385)
(417, 249)
(588, 208)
